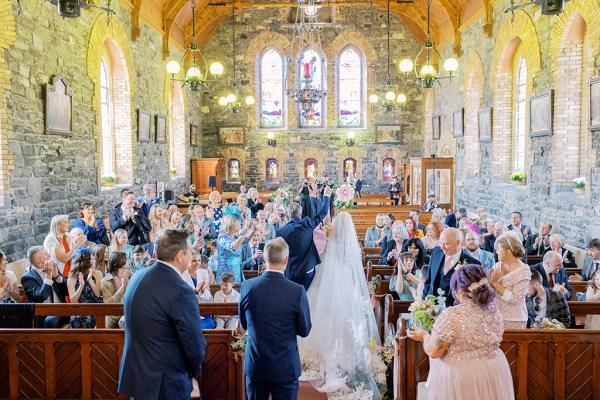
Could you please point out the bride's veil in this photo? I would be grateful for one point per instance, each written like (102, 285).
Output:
(337, 349)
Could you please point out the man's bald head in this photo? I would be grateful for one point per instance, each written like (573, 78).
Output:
(450, 240)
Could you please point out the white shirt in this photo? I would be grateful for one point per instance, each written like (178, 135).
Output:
(450, 261)
(233, 297)
(517, 230)
(202, 275)
(12, 278)
(49, 281)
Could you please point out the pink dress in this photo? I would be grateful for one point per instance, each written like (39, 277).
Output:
(474, 367)
(512, 303)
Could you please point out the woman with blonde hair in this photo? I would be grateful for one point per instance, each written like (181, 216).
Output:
(254, 202)
(175, 219)
(216, 209)
(510, 278)
(557, 243)
(242, 202)
(58, 243)
(155, 216)
(120, 242)
(229, 244)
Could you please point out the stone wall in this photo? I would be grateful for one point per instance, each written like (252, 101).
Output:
(47, 175)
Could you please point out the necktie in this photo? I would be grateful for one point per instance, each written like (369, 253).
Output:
(551, 280)
(447, 265)
(596, 266)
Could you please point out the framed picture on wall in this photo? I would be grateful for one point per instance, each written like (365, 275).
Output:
(161, 129)
(144, 122)
(458, 127)
(232, 135)
(59, 107)
(435, 127)
(388, 134)
(540, 114)
(595, 104)
(194, 136)
(484, 119)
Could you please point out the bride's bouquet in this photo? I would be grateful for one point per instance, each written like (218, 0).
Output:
(344, 197)
(547, 323)
(424, 312)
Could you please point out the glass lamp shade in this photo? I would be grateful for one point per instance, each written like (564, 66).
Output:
(427, 71)
(311, 10)
(270, 136)
(401, 98)
(451, 65)
(193, 73)
(373, 99)
(250, 100)
(390, 96)
(223, 101)
(173, 67)
(351, 135)
(231, 98)
(406, 66)
(216, 68)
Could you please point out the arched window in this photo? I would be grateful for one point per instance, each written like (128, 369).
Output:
(389, 169)
(272, 171)
(520, 118)
(310, 168)
(271, 89)
(350, 84)
(233, 170)
(349, 167)
(106, 111)
(314, 117)
(176, 126)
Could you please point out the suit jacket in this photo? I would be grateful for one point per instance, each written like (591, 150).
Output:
(273, 326)
(138, 229)
(525, 236)
(373, 235)
(588, 269)
(570, 262)
(559, 278)
(451, 221)
(488, 243)
(209, 223)
(146, 206)
(556, 308)
(247, 261)
(358, 185)
(530, 248)
(255, 207)
(304, 257)
(436, 272)
(164, 345)
(37, 291)
(486, 259)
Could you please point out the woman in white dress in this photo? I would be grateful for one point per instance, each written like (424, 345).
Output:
(336, 356)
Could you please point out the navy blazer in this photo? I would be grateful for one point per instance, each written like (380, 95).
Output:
(451, 221)
(488, 243)
(37, 291)
(588, 269)
(247, 261)
(358, 185)
(436, 272)
(304, 257)
(273, 326)
(164, 345)
(559, 278)
(138, 229)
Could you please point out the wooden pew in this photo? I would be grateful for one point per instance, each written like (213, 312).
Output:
(378, 270)
(545, 364)
(84, 364)
(383, 316)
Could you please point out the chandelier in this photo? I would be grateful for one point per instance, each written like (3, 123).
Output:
(306, 35)
(195, 78)
(426, 65)
(389, 100)
(232, 101)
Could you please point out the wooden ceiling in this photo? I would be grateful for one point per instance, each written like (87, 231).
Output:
(174, 17)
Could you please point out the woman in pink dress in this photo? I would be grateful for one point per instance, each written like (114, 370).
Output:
(510, 278)
(465, 343)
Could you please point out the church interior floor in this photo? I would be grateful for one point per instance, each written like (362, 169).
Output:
(307, 392)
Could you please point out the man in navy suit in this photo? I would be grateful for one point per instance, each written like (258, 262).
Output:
(452, 219)
(521, 230)
(274, 311)
(164, 344)
(444, 260)
(489, 241)
(554, 275)
(131, 220)
(298, 232)
(43, 283)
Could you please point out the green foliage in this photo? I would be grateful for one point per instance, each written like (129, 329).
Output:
(517, 177)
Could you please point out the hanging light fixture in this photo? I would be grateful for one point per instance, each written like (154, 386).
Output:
(233, 101)
(426, 65)
(197, 74)
(306, 34)
(389, 100)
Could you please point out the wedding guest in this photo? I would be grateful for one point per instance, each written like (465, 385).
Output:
(389, 221)
(592, 321)
(452, 219)
(268, 229)
(199, 281)
(173, 209)
(543, 302)
(393, 248)
(58, 243)
(489, 227)
(114, 285)
(120, 243)
(106, 222)
(216, 209)
(554, 275)
(557, 243)
(156, 221)
(591, 265)
(490, 240)
(465, 343)
(83, 287)
(138, 259)
(9, 290)
(540, 242)
(376, 234)
(358, 184)
(269, 207)
(438, 214)
(304, 194)
(132, 220)
(395, 189)
(207, 225)
(227, 294)
(229, 246)
(174, 220)
(242, 202)
(92, 226)
(472, 243)
(432, 236)
(147, 200)
(431, 203)
(415, 214)
(101, 255)
(516, 226)
(411, 227)
(403, 278)
(415, 247)
(510, 278)
(186, 224)
(254, 202)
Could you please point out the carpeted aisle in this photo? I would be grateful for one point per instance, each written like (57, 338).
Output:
(307, 392)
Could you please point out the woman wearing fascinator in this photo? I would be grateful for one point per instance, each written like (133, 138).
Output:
(229, 243)
(83, 285)
(464, 345)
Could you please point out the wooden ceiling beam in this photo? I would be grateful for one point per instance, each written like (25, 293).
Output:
(135, 20)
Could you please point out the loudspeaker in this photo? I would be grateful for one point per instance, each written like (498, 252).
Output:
(168, 195)
(212, 181)
(69, 8)
(553, 7)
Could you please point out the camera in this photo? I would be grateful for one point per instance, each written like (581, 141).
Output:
(261, 246)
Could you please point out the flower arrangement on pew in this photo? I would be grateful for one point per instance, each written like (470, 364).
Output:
(239, 346)
(286, 195)
(546, 323)
(424, 312)
(344, 197)
(372, 285)
(382, 357)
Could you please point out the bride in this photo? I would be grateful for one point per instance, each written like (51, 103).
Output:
(336, 356)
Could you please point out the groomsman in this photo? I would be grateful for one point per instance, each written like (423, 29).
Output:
(539, 243)
(522, 231)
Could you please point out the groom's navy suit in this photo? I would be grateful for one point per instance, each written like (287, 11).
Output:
(304, 257)
(274, 311)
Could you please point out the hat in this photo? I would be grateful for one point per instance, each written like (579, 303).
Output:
(431, 195)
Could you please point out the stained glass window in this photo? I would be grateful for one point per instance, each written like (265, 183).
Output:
(310, 168)
(389, 168)
(272, 171)
(313, 118)
(271, 89)
(108, 144)
(349, 167)
(233, 170)
(520, 109)
(349, 88)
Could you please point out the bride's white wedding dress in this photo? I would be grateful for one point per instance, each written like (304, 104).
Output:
(336, 356)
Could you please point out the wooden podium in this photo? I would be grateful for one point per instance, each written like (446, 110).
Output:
(202, 168)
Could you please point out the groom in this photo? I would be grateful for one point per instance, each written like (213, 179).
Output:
(298, 232)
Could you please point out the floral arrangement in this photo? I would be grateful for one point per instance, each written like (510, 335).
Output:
(239, 346)
(424, 312)
(546, 323)
(579, 183)
(517, 177)
(382, 357)
(110, 179)
(344, 197)
(172, 171)
(286, 195)
(372, 285)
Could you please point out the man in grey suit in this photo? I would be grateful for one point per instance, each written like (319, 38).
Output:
(252, 255)
(472, 245)
(376, 234)
(591, 264)
(164, 345)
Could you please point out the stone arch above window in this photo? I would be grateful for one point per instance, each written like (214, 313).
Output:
(270, 84)
(396, 156)
(351, 78)
(348, 153)
(272, 171)
(271, 153)
(349, 168)
(311, 168)
(314, 153)
(233, 153)
(388, 169)
(233, 171)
